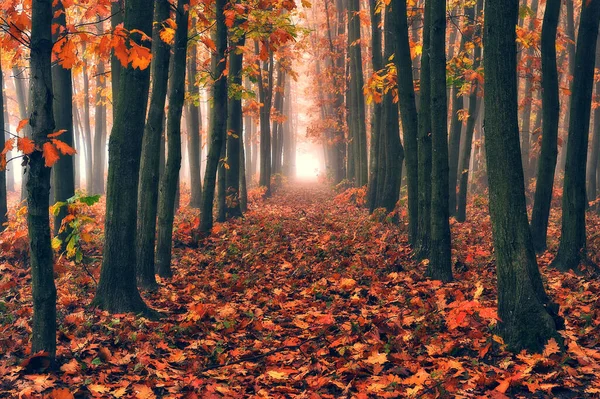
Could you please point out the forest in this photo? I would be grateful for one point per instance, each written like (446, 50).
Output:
(299, 199)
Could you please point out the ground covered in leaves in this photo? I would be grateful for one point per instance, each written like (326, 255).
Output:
(308, 296)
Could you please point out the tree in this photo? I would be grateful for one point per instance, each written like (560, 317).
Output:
(551, 114)
(100, 125)
(440, 262)
(424, 142)
(234, 125)
(151, 147)
(408, 112)
(523, 306)
(218, 128)
(3, 185)
(572, 247)
(42, 124)
(117, 13)
(194, 127)
(170, 178)
(117, 290)
(63, 177)
(265, 96)
(593, 174)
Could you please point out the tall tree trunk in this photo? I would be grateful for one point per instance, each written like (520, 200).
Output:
(3, 185)
(19, 82)
(375, 157)
(151, 157)
(41, 121)
(550, 120)
(572, 247)
(593, 161)
(117, 290)
(63, 177)
(170, 179)
(570, 33)
(456, 124)
(408, 111)
(234, 131)
(440, 264)
(424, 143)
(194, 128)
(218, 128)
(87, 130)
(100, 127)
(523, 305)
(467, 148)
(10, 173)
(265, 94)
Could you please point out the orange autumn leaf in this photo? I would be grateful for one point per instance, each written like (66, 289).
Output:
(25, 145)
(61, 393)
(57, 133)
(51, 154)
(63, 147)
(22, 124)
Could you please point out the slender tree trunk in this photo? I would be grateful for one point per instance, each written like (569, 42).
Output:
(63, 177)
(523, 305)
(10, 173)
(572, 247)
(194, 129)
(440, 264)
(375, 179)
(424, 143)
(235, 132)
(467, 148)
(87, 130)
(218, 128)
(41, 120)
(408, 111)
(265, 93)
(151, 147)
(117, 291)
(3, 174)
(593, 161)
(572, 38)
(19, 81)
(170, 179)
(456, 124)
(550, 120)
(100, 127)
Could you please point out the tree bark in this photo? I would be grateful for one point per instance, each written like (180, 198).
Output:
(424, 143)
(3, 174)
(117, 13)
(63, 177)
(170, 179)
(551, 110)
(87, 130)
(100, 126)
(194, 128)
(218, 128)
(151, 147)
(41, 120)
(572, 247)
(523, 306)
(117, 290)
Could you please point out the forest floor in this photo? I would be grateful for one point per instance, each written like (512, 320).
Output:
(308, 296)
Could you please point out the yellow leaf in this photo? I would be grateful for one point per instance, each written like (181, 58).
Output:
(551, 348)
(377, 358)
(277, 375)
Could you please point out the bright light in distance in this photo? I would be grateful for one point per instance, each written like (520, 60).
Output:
(307, 165)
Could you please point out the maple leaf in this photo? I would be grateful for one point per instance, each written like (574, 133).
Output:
(22, 125)
(377, 358)
(50, 154)
(72, 367)
(551, 348)
(63, 147)
(25, 145)
(61, 393)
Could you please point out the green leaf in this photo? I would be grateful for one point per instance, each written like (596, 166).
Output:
(89, 200)
(56, 243)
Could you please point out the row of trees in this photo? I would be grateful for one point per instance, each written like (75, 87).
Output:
(427, 71)
(250, 48)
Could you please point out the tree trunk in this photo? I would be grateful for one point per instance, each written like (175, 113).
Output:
(10, 173)
(551, 111)
(265, 94)
(572, 39)
(151, 147)
(18, 80)
(424, 143)
(218, 128)
(63, 177)
(467, 148)
(194, 129)
(593, 161)
(408, 111)
(456, 124)
(117, 13)
(169, 181)
(41, 120)
(87, 130)
(440, 264)
(117, 291)
(234, 131)
(3, 174)
(100, 127)
(523, 305)
(572, 247)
